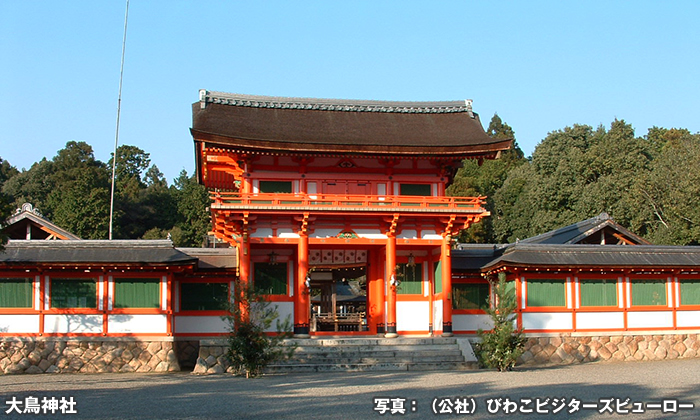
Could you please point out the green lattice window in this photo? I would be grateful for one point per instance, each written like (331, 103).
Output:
(544, 293)
(137, 293)
(275, 186)
(437, 269)
(16, 292)
(690, 292)
(415, 189)
(598, 292)
(410, 278)
(270, 279)
(470, 296)
(203, 296)
(73, 293)
(648, 292)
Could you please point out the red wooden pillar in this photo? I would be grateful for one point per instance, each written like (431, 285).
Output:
(446, 262)
(301, 301)
(243, 272)
(391, 287)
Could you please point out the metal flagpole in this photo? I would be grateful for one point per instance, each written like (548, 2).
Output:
(116, 137)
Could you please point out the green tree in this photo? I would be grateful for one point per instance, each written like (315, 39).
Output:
(193, 217)
(500, 347)
(476, 178)
(71, 189)
(31, 186)
(574, 174)
(79, 200)
(7, 171)
(671, 189)
(250, 348)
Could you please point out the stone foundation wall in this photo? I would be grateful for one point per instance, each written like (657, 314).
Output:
(566, 349)
(26, 355)
(212, 358)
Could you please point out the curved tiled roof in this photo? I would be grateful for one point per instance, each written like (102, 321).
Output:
(114, 252)
(447, 128)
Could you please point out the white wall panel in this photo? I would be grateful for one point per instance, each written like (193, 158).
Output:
(73, 323)
(688, 319)
(200, 324)
(412, 316)
(465, 322)
(548, 321)
(599, 320)
(437, 316)
(651, 319)
(137, 324)
(19, 323)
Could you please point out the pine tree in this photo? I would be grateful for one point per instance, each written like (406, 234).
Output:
(501, 347)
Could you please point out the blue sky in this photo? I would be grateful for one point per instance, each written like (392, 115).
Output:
(541, 65)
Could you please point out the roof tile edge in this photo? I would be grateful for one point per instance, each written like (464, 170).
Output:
(346, 105)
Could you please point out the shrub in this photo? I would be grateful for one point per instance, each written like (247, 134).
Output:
(501, 347)
(250, 347)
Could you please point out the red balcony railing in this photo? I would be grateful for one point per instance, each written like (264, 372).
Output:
(340, 202)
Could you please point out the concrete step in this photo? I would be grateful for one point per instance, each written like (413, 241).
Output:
(376, 354)
(366, 367)
(369, 360)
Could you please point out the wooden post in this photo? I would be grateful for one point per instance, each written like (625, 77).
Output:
(243, 272)
(446, 262)
(391, 287)
(301, 301)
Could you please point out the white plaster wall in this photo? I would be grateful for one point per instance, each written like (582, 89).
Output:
(598, 320)
(19, 323)
(73, 323)
(651, 319)
(284, 309)
(370, 233)
(324, 233)
(431, 234)
(437, 316)
(473, 322)
(200, 324)
(262, 233)
(688, 318)
(548, 321)
(412, 316)
(407, 234)
(138, 324)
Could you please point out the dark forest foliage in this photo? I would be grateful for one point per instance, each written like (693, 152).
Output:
(73, 190)
(649, 184)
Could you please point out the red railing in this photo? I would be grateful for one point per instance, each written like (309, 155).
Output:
(232, 200)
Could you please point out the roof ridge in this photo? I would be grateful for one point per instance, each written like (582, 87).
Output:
(347, 105)
(92, 243)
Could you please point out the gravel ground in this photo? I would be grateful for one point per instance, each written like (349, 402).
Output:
(340, 395)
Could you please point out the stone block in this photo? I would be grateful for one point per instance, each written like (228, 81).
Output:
(161, 367)
(604, 353)
(211, 361)
(127, 368)
(549, 350)
(526, 357)
(660, 353)
(200, 367)
(153, 347)
(24, 363)
(44, 365)
(216, 369)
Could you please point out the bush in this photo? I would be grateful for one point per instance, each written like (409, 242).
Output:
(250, 348)
(501, 347)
